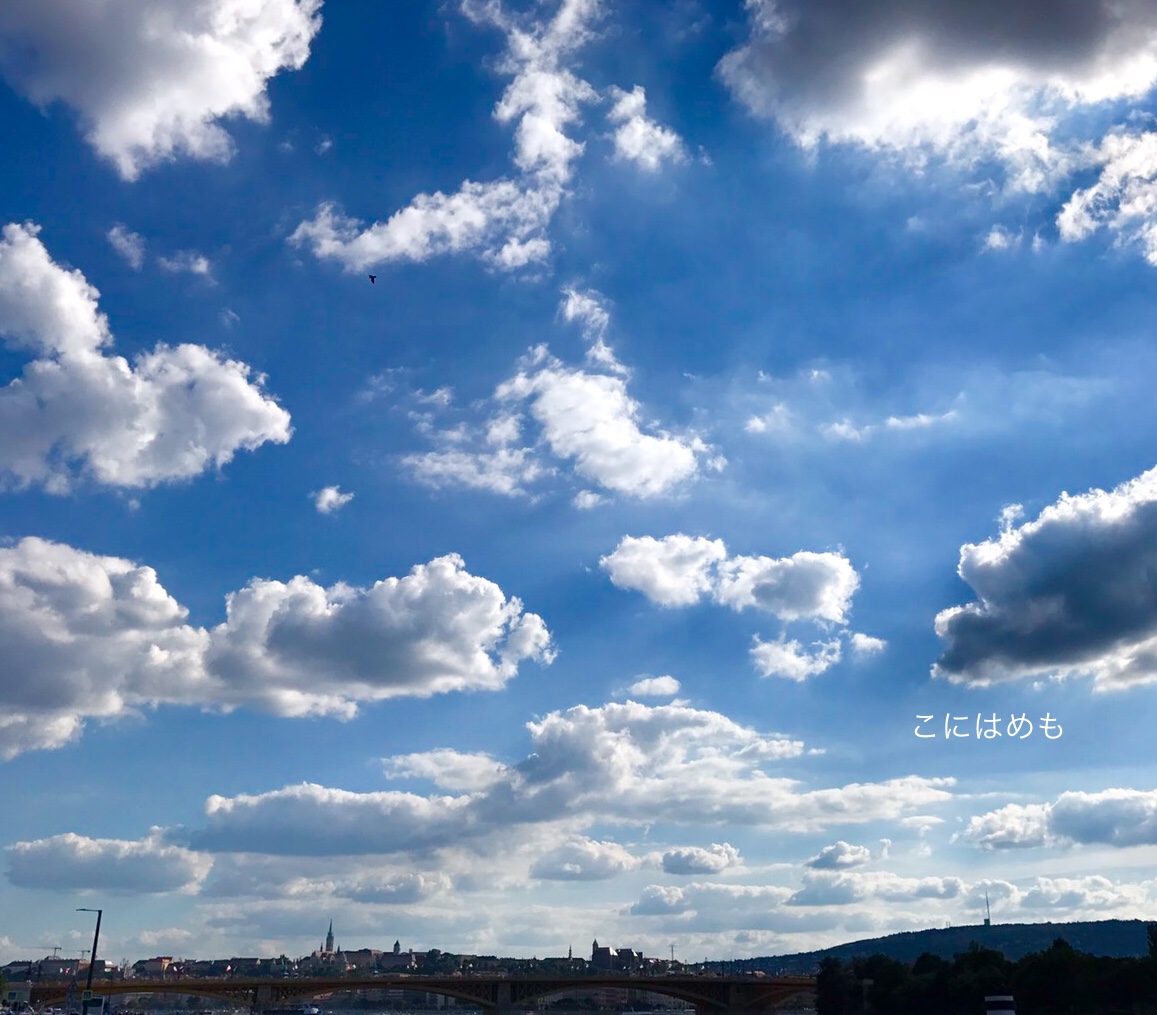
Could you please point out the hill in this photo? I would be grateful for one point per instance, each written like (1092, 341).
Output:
(1117, 938)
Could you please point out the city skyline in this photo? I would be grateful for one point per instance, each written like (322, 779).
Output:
(678, 473)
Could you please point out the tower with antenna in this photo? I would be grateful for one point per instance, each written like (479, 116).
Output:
(987, 911)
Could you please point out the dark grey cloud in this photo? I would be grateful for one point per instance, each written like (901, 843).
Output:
(982, 85)
(1073, 591)
(814, 53)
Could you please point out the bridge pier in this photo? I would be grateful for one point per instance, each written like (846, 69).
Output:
(260, 999)
(503, 1001)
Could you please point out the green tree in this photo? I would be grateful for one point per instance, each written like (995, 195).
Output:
(835, 988)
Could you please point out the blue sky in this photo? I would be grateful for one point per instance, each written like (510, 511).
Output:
(740, 382)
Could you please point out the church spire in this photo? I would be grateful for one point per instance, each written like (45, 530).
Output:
(329, 938)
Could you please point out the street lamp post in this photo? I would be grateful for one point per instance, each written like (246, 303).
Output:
(91, 958)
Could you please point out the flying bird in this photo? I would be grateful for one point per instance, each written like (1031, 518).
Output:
(373, 280)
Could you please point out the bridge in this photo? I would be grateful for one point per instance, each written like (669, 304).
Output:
(494, 995)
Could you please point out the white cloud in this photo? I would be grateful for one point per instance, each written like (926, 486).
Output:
(396, 890)
(1069, 593)
(866, 645)
(507, 471)
(638, 138)
(590, 419)
(1113, 817)
(705, 905)
(698, 860)
(172, 414)
(88, 636)
(1013, 826)
(130, 245)
(1124, 197)
(186, 261)
(837, 888)
(1000, 238)
(503, 220)
(654, 687)
(679, 570)
(621, 764)
(584, 859)
(296, 648)
(839, 856)
(589, 308)
(153, 85)
(672, 571)
(584, 500)
(803, 586)
(789, 659)
(584, 416)
(448, 769)
(71, 862)
(329, 499)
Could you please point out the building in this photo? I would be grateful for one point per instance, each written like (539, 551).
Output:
(615, 960)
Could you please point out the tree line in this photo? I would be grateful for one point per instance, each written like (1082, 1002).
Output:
(1057, 981)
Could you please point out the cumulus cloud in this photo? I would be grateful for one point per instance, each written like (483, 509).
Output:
(1112, 817)
(638, 138)
(329, 499)
(839, 856)
(996, 85)
(837, 888)
(151, 86)
(585, 416)
(942, 74)
(401, 889)
(448, 769)
(790, 660)
(679, 570)
(622, 763)
(1046, 897)
(696, 860)
(591, 420)
(86, 636)
(1068, 593)
(170, 415)
(503, 220)
(71, 862)
(709, 906)
(866, 645)
(89, 636)
(130, 245)
(297, 648)
(676, 570)
(584, 860)
(654, 687)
